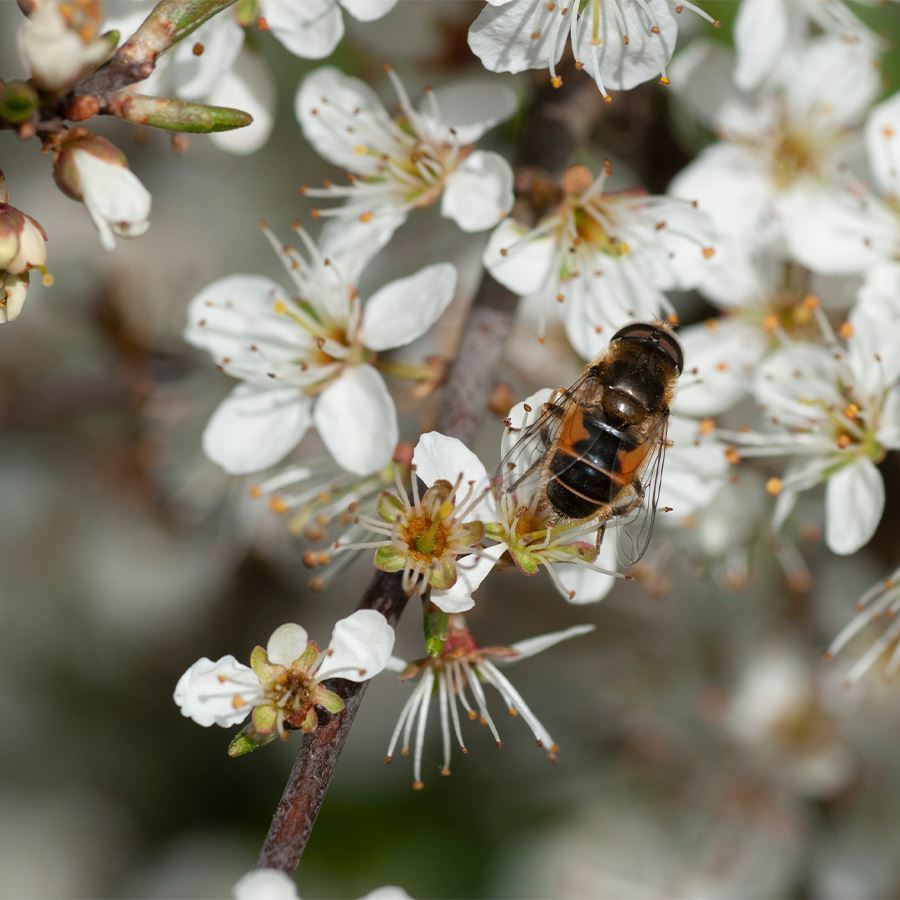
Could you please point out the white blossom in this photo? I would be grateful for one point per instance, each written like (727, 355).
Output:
(463, 666)
(283, 685)
(777, 712)
(620, 43)
(765, 30)
(790, 137)
(56, 50)
(762, 298)
(433, 539)
(94, 171)
(401, 163)
(835, 410)
(309, 359)
(602, 260)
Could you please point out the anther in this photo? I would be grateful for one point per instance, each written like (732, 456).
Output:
(774, 486)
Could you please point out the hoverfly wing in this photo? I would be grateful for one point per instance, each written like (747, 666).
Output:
(521, 466)
(635, 530)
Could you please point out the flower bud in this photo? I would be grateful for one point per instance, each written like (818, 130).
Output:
(22, 247)
(92, 169)
(12, 295)
(22, 241)
(59, 43)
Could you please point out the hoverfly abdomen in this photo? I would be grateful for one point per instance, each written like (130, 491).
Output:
(586, 470)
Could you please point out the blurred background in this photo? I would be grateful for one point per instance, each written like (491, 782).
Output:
(706, 747)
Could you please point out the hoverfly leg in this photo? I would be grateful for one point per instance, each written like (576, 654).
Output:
(598, 540)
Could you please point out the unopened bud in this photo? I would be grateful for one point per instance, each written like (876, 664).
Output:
(13, 289)
(92, 169)
(22, 241)
(18, 102)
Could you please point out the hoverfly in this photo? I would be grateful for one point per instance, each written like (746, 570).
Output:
(596, 449)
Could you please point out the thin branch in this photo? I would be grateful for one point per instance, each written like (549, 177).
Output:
(169, 22)
(464, 401)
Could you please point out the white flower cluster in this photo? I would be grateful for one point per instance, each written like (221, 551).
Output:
(798, 364)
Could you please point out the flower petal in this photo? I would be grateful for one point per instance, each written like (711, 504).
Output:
(117, 201)
(527, 263)
(255, 427)
(732, 187)
(468, 109)
(761, 32)
(531, 646)
(872, 351)
(404, 310)
(725, 352)
(360, 647)
(265, 884)
(502, 38)
(311, 28)
(703, 82)
(217, 693)
(849, 69)
(388, 892)
(287, 644)
(838, 232)
(234, 318)
(470, 573)
(437, 456)
(520, 416)
(247, 86)
(480, 192)
(195, 77)
(352, 244)
(799, 476)
(585, 585)
(854, 502)
(356, 418)
(883, 145)
(879, 295)
(627, 52)
(368, 10)
(784, 380)
(695, 470)
(327, 104)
